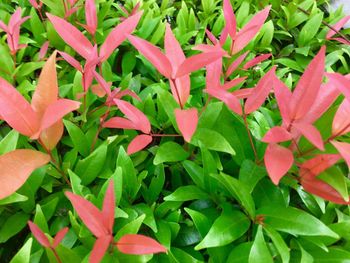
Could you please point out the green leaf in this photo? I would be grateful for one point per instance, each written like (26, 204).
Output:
(260, 252)
(36, 26)
(310, 29)
(250, 174)
(7, 63)
(187, 193)
(9, 143)
(212, 140)
(294, 221)
(279, 243)
(128, 62)
(23, 255)
(130, 228)
(78, 138)
(334, 255)
(335, 178)
(170, 152)
(14, 198)
(201, 222)
(13, 225)
(240, 253)
(229, 226)
(90, 167)
(28, 68)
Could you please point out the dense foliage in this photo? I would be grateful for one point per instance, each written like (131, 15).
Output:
(174, 131)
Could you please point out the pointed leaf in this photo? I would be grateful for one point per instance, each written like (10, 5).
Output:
(119, 123)
(310, 133)
(39, 235)
(52, 135)
(256, 60)
(139, 143)
(72, 61)
(91, 16)
(59, 236)
(173, 50)
(344, 150)
(230, 18)
(230, 100)
(319, 163)
(277, 134)
(341, 82)
(238, 93)
(16, 167)
(181, 89)
(139, 245)
(341, 121)
(283, 97)
(187, 121)
(337, 27)
(235, 64)
(108, 207)
(100, 248)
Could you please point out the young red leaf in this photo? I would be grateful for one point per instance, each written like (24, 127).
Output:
(230, 100)
(106, 87)
(72, 61)
(173, 50)
(39, 235)
(344, 150)
(119, 123)
(260, 92)
(341, 121)
(89, 214)
(283, 96)
(319, 163)
(277, 134)
(59, 236)
(139, 245)
(230, 19)
(278, 160)
(232, 83)
(211, 37)
(214, 71)
(187, 121)
(153, 54)
(256, 60)
(242, 93)
(341, 82)
(108, 207)
(181, 89)
(235, 64)
(310, 133)
(51, 136)
(337, 27)
(118, 35)
(308, 86)
(100, 248)
(16, 167)
(71, 35)
(139, 143)
(91, 16)
(43, 50)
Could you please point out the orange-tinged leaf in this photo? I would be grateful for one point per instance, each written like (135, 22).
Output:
(341, 121)
(344, 150)
(46, 91)
(139, 143)
(277, 134)
(16, 111)
(39, 235)
(52, 135)
(119, 123)
(109, 207)
(187, 121)
(100, 248)
(16, 167)
(278, 160)
(59, 236)
(139, 245)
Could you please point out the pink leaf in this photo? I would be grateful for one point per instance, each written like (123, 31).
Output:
(59, 236)
(139, 245)
(43, 50)
(118, 35)
(341, 82)
(3, 27)
(196, 62)
(89, 214)
(211, 37)
(232, 83)
(103, 84)
(260, 92)
(242, 93)
(230, 18)
(310, 133)
(39, 235)
(120, 94)
(235, 64)
(71, 35)
(100, 248)
(91, 16)
(135, 115)
(340, 40)
(341, 121)
(214, 71)
(173, 49)
(108, 207)
(34, 4)
(319, 163)
(16, 167)
(283, 97)
(72, 61)
(119, 123)
(337, 27)
(256, 60)
(187, 121)
(278, 160)
(230, 100)
(344, 150)
(277, 134)
(153, 54)
(139, 143)
(181, 89)
(16, 111)
(308, 86)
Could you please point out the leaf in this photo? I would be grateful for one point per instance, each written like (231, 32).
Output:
(229, 226)
(334, 255)
(16, 111)
(139, 245)
(308, 86)
(12, 225)
(294, 221)
(341, 121)
(139, 143)
(259, 251)
(187, 121)
(173, 50)
(187, 193)
(170, 152)
(212, 140)
(89, 214)
(340, 82)
(310, 29)
(337, 27)
(310, 133)
(78, 138)
(16, 167)
(228, 98)
(278, 160)
(72, 61)
(91, 16)
(279, 243)
(230, 19)
(39, 235)
(153, 54)
(108, 207)
(59, 236)
(256, 60)
(277, 134)
(100, 248)
(14, 198)
(23, 255)
(344, 150)
(118, 35)
(9, 142)
(71, 35)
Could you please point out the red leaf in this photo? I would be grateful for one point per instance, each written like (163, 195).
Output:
(230, 84)
(71, 35)
(153, 54)
(341, 121)
(173, 50)
(16, 167)
(260, 92)
(137, 117)
(235, 64)
(72, 61)
(119, 123)
(278, 160)
(211, 37)
(187, 121)
(89, 214)
(230, 19)
(230, 100)
(103, 84)
(256, 60)
(340, 82)
(39, 235)
(344, 150)
(337, 27)
(139, 143)
(320, 163)
(118, 35)
(308, 86)
(59, 236)
(100, 248)
(108, 207)
(242, 93)
(139, 245)
(277, 134)
(16, 111)
(310, 133)
(91, 16)
(283, 97)
(214, 71)
(181, 89)
(43, 50)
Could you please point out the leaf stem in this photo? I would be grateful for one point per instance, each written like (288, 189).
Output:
(249, 135)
